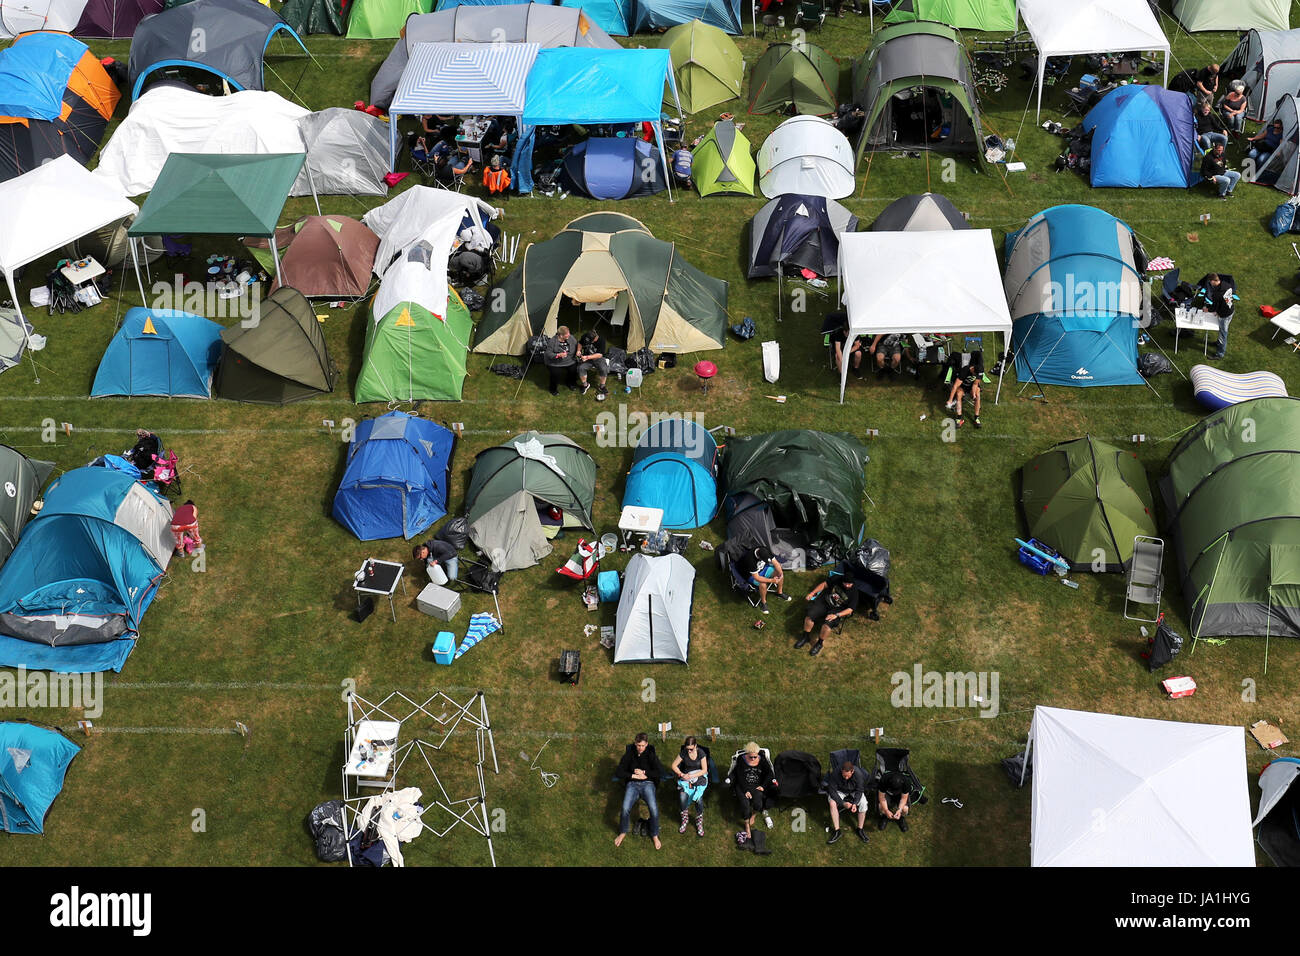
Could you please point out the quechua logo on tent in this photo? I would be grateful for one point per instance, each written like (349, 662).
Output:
(1081, 374)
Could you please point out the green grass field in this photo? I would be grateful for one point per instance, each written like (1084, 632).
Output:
(263, 635)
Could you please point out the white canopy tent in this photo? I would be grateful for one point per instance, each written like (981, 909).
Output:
(1129, 791)
(654, 610)
(22, 16)
(808, 156)
(901, 282)
(1061, 28)
(48, 208)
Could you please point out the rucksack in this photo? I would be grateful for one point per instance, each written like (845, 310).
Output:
(1163, 646)
(1153, 363)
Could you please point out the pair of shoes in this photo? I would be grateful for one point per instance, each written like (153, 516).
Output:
(802, 642)
(686, 821)
(960, 421)
(816, 648)
(884, 822)
(834, 837)
(862, 834)
(763, 607)
(902, 824)
(976, 421)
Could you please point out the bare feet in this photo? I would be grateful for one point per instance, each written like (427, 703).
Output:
(658, 845)
(618, 840)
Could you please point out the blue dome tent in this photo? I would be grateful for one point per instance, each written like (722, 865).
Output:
(608, 167)
(395, 484)
(674, 468)
(1074, 287)
(85, 570)
(33, 762)
(652, 15)
(1143, 136)
(160, 352)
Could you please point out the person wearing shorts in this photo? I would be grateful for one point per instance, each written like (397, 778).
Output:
(887, 347)
(765, 573)
(965, 385)
(828, 605)
(846, 790)
(591, 357)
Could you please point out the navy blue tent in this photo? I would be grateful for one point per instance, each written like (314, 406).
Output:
(33, 763)
(614, 167)
(1143, 136)
(160, 352)
(395, 484)
(798, 232)
(674, 468)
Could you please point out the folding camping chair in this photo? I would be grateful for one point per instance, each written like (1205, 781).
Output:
(731, 772)
(739, 581)
(895, 760)
(811, 15)
(584, 563)
(480, 576)
(1145, 580)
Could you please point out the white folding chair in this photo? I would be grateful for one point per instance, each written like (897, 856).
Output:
(1145, 580)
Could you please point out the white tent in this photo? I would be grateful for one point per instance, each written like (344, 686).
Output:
(1277, 819)
(1061, 28)
(1129, 791)
(808, 156)
(654, 610)
(403, 220)
(22, 16)
(420, 273)
(50, 207)
(899, 282)
(346, 154)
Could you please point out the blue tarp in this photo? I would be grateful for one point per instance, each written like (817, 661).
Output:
(1085, 337)
(673, 468)
(34, 75)
(33, 762)
(1143, 136)
(652, 15)
(160, 352)
(569, 85)
(395, 484)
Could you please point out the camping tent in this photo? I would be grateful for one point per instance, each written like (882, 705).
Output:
(85, 570)
(915, 86)
(651, 16)
(225, 37)
(801, 75)
(160, 352)
(328, 257)
(1088, 500)
(808, 156)
(812, 483)
(1282, 170)
(707, 64)
(14, 332)
(57, 100)
(1102, 26)
(22, 16)
(1143, 136)
(406, 218)
(20, 485)
(1231, 494)
(988, 15)
(674, 468)
(170, 120)
(607, 257)
(1196, 15)
(1269, 62)
(898, 282)
(798, 232)
(346, 154)
(382, 19)
(612, 16)
(512, 485)
(33, 762)
(920, 212)
(315, 16)
(1074, 285)
(1278, 818)
(280, 359)
(114, 19)
(722, 163)
(539, 23)
(1116, 791)
(395, 482)
(654, 610)
(611, 167)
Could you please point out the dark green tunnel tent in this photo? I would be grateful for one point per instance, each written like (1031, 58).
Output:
(1232, 499)
(21, 479)
(1088, 500)
(800, 75)
(281, 358)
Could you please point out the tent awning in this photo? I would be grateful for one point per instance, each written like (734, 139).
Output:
(236, 194)
(597, 86)
(487, 79)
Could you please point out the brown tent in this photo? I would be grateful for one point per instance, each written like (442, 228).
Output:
(325, 256)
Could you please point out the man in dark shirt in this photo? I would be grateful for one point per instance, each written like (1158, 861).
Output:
(591, 356)
(561, 359)
(1214, 294)
(893, 798)
(1215, 167)
(846, 789)
(1207, 82)
(436, 553)
(1265, 142)
(754, 783)
(641, 768)
(828, 605)
(855, 350)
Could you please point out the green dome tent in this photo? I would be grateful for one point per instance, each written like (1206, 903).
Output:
(804, 76)
(1232, 499)
(722, 162)
(1088, 500)
(707, 64)
(280, 359)
(412, 355)
(990, 15)
(382, 19)
(20, 484)
(1197, 15)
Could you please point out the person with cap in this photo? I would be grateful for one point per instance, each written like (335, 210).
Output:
(846, 789)
(641, 769)
(754, 783)
(829, 603)
(765, 573)
(591, 356)
(893, 798)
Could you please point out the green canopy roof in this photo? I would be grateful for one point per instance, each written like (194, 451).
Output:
(208, 194)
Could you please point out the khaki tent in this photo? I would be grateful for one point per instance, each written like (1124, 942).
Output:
(20, 484)
(707, 63)
(280, 359)
(804, 76)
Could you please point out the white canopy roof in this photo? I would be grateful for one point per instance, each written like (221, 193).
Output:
(1128, 791)
(20, 16)
(1063, 28)
(403, 220)
(921, 282)
(806, 155)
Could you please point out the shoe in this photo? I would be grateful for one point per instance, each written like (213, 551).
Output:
(601, 389)
(976, 421)
(763, 607)
(802, 642)
(862, 834)
(555, 391)
(902, 824)
(950, 405)
(816, 649)
(572, 388)
(786, 598)
(857, 373)
(961, 422)
(586, 388)
(686, 821)
(1218, 355)
(699, 824)
(884, 822)
(834, 837)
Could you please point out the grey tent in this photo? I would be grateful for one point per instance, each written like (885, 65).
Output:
(922, 212)
(515, 490)
(347, 154)
(225, 37)
(20, 484)
(798, 232)
(538, 23)
(110, 246)
(654, 610)
(14, 334)
(1269, 62)
(1282, 170)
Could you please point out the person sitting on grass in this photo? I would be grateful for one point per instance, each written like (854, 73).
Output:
(965, 385)
(846, 790)
(765, 571)
(641, 769)
(1214, 168)
(890, 346)
(892, 802)
(829, 604)
(754, 783)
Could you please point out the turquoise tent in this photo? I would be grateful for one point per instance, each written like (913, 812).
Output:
(33, 763)
(674, 468)
(160, 352)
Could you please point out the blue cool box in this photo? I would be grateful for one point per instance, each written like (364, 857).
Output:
(444, 647)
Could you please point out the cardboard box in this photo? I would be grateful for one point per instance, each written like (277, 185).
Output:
(1266, 735)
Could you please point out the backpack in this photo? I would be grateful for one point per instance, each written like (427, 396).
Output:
(1163, 646)
(1153, 363)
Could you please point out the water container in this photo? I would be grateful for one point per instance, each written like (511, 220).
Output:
(634, 376)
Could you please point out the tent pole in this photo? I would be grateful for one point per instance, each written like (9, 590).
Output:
(1042, 71)
(135, 259)
(18, 306)
(1029, 743)
(780, 290)
(311, 180)
(276, 254)
(1002, 370)
(392, 142)
(657, 126)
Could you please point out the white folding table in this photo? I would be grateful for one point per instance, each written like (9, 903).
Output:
(1195, 320)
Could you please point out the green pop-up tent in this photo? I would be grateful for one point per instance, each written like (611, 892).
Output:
(382, 19)
(281, 358)
(411, 354)
(722, 162)
(991, 15)
(1088, 500)
(707, 64)
(800, 75)
(20, 483)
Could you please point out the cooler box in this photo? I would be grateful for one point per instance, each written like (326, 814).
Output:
(438, 601)
(1089, 83)
(607, 586)
(444, 647)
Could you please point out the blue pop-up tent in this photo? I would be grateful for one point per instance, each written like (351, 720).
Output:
(34, 75)
(85, 570)
(395, 484)
(652, 15)
(613, 16)
(33, 762)
(1074, 286)
(1143, 136)
(160, 352)
(674, 468)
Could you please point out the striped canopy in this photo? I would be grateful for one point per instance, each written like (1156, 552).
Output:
(482, 79)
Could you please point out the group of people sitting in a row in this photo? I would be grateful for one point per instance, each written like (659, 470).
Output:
(1217, 121)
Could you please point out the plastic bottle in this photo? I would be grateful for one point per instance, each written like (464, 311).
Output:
(1070, 584)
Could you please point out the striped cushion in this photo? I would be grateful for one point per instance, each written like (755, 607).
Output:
(1216, 389)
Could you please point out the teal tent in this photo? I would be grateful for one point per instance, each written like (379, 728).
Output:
(33, 762)
(160, 352)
